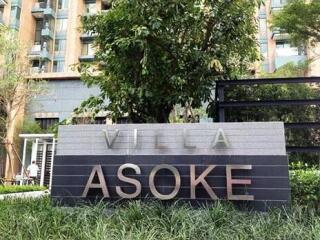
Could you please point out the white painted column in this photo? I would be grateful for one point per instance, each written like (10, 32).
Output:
(25, 142)
(43, 163)
(52, 159)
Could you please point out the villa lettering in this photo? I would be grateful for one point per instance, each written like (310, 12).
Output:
(194, 182)
(218, 140)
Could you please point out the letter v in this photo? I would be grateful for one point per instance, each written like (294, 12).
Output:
(110, 141)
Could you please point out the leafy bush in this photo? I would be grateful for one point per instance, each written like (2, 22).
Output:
(15, 189)
(305, 187)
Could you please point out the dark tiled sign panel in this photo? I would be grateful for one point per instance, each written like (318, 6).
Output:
(245, 163)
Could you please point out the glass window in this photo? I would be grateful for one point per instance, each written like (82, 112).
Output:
(90, 8)
(1, 12)
(283, 48)
(62, 24)
(37, 37)
(87, 49)
(263, 28)
(60, 47)
(58, 66)
(15, 16)
(62, 4)
(46, 123)
(264, 50)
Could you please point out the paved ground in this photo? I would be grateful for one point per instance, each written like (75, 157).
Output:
(34, 194)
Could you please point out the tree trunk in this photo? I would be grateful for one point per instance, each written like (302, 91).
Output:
(12, 163)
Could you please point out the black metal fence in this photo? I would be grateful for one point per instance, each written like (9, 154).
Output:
(223, 104)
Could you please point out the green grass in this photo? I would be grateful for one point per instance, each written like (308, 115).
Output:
(37, 219)
(15, 189)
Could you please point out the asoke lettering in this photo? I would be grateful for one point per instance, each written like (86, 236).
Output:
(195, 181)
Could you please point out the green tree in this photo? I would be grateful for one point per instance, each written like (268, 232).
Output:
(155, 54)
(301, 19)
(15, 91)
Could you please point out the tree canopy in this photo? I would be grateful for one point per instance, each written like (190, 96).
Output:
(154, 54)
(301, 19)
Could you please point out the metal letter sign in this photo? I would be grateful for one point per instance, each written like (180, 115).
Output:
(245, 163)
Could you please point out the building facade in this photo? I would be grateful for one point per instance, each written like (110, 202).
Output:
(275, 46)
(50, 32)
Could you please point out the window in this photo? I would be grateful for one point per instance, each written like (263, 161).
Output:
(37, 37)
(62, 24)
(90, 8)
(60, 47)
(62, 4)
(100, 120)
(15, 16)
(46, 123)
(264, 50)
(58, 66)
(283, 48)
(1, 12)
(263, 28)
(87, 49)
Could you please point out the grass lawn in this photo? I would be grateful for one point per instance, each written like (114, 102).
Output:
(37, 219)
(15, 189)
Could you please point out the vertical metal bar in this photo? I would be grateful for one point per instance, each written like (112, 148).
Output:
(221, 112)
(43, 163)
(52, 159)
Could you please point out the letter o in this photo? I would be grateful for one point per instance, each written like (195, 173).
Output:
(177, 180)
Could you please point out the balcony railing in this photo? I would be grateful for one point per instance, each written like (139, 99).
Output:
(277, 5)
(1, 18)
(41, 9)
(3, 2)
(87, 36)
(277, 34)
(47, 33)
(86, 58)
(282, 60)
(39, 52)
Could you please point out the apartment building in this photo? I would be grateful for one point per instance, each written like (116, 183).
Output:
(275, 46)
(50, 32)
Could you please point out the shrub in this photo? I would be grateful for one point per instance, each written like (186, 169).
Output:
(305, 187)
(15, 189)
(36, 219)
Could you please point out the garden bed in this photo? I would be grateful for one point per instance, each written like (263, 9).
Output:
(37, 219)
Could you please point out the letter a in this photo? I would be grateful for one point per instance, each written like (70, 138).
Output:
(194, 182)
(220, 139)
(102, 182)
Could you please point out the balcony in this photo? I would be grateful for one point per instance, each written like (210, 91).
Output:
(1, 18)
(3, 2)
(47, 33)
(277, 5)
(41, 10)
(34, 70)
(39, 52)
(277, 34)
(87, 36)
(86, 58)
(16, 3)
(282, 60)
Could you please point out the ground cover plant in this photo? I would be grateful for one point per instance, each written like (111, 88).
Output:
(15, 189)
(37, 219)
